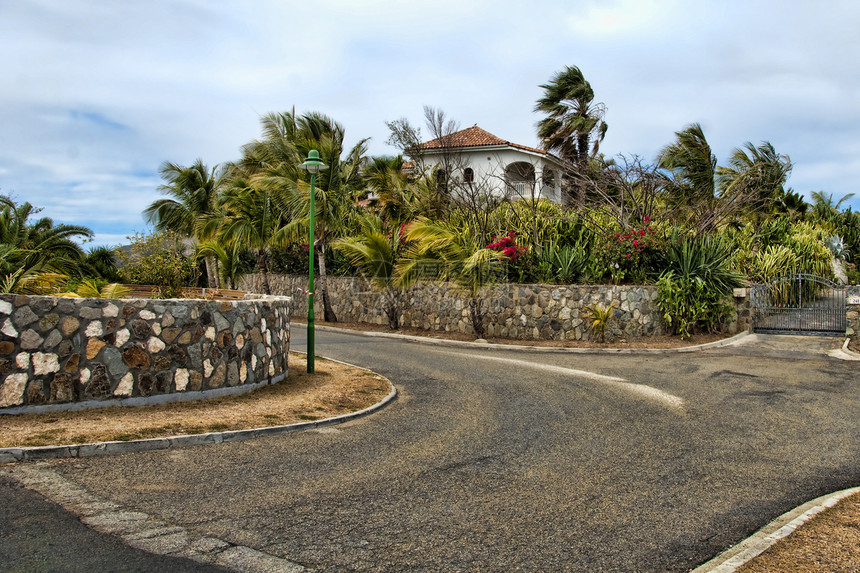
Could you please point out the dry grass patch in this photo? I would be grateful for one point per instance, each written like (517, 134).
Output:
(333, 389)
(827, 543)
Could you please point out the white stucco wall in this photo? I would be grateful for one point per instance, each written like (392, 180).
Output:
(489, 164)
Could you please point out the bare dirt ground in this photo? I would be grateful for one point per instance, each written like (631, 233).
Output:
(333, 389)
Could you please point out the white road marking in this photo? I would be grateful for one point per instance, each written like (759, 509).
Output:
(641, 390)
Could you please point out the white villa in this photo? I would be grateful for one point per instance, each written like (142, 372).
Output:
(474, 157)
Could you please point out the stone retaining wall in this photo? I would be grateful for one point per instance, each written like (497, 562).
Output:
(526, 312)
(57, 350)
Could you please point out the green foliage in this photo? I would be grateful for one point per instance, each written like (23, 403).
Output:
(93, 288)
(695, 283)
(550, 264)
(157, 259)
(36, 256)
(780, 247)
(599, 316)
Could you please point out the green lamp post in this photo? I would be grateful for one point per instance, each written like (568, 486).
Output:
(313, 164)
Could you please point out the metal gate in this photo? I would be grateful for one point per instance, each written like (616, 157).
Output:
(800, 304)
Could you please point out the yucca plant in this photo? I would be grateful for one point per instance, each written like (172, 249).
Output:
(695, 282)
(599, 316)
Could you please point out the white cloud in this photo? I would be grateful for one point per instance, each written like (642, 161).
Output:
(98, 95)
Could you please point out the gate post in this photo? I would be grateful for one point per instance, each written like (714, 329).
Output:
(743, 311)
(853, 311)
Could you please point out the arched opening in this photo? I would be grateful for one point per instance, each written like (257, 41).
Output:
(468, 175)
(520, 180)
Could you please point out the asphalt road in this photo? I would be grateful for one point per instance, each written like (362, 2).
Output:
(504, 461)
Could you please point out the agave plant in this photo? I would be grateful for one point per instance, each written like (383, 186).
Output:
(837, 246)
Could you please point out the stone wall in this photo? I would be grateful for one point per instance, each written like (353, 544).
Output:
(526, 312)
(57, 350)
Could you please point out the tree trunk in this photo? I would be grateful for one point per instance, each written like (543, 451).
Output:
(392, 310)
(211, 274)
(477, 316)
(328, 311)
(262, 264)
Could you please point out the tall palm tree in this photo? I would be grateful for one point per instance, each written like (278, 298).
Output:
(249, 217)
(287, 140)
(573, 127)
(757, 176)
(192, 195)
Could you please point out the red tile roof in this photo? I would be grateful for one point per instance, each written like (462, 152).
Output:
(473, 137)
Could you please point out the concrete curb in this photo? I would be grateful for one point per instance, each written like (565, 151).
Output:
(753, 546)
(145, 532)
(12, 455)
(531, 349)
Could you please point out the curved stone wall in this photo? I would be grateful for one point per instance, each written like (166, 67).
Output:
(65, 351)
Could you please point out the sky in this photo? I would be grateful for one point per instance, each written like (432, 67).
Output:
(95, 95)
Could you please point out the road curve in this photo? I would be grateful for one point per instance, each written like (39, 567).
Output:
(505, 460)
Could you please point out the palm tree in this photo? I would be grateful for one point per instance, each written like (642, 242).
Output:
(102, 262)
(692, 164)
(192, 195)
(249, 217)
(229, 259)
(691, 185)
(755, 178)
(376, 251)
(287, 140)
(31, 249)
(574, 125)
(455, 256)
(824, 207)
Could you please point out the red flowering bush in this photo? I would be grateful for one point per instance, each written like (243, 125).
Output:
(628, 255)
(507, 245)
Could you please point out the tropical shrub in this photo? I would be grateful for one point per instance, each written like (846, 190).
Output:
(631, 254)
(157, 259)
(375, 252)
(695, 283)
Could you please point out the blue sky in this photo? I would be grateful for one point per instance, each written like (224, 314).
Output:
(95, 95)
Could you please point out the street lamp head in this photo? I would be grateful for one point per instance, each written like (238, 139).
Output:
(313, 164)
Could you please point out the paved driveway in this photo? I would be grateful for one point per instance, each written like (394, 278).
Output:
(501, 461)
